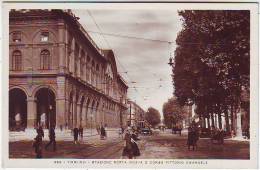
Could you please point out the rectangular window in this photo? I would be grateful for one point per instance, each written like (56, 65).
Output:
(17, 37)
(44, 36)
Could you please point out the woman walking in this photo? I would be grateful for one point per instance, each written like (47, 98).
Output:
(131, 149)
(128, 150)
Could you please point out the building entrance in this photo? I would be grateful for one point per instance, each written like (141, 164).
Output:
(17, 110)
(46, 108)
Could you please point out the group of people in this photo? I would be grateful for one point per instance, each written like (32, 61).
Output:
(37, 143)
(217, 134)
(101, 130)
(177, 128)
(77, 132)
(130, 135)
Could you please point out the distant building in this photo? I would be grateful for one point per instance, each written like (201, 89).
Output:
(57, 70)
(135, 114)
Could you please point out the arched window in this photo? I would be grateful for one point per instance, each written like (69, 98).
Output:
(45, 60)
(17, 60)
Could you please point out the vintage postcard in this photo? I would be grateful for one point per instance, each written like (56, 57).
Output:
(130, 85)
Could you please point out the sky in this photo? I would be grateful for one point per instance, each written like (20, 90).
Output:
(142, 63)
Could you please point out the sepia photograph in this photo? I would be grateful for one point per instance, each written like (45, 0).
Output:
(131, 83)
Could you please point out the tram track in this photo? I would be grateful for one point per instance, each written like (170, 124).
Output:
(106, 152)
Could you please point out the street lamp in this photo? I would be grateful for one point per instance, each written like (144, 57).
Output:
(171, 62)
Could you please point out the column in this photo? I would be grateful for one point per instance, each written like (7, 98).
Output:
(31, 112)
(223, 123)
(87, 116)
(79, 63)
(72, 56)
(216, 120)
(62, 55)
(60, 102)
(84, 110)
(78, 114)
(67, 107)
(74, 112)
(238, 123)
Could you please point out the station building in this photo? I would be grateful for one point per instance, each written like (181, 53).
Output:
(58, 73)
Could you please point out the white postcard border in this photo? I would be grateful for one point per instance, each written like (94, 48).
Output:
(92, 163)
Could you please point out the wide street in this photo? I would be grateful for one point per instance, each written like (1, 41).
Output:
(158, 146)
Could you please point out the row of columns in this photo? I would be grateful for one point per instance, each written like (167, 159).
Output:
(81, 114)
(207, 123)
(81, 111)
(89, 73)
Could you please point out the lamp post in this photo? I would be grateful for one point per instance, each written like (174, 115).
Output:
(171, 62)
(130, 114)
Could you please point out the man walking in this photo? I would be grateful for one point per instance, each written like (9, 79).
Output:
(52, 139)
(76, 134)
(81, 132)
(37, 144)
(41, 132)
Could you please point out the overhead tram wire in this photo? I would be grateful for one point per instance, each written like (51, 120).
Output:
(125, 71)
(130, 37)
(150, 39)
(100, 32)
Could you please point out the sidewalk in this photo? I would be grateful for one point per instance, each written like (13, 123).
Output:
(65, 135)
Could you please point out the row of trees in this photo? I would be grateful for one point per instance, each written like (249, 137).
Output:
(152, 116)
(212, 63)
(173, 113)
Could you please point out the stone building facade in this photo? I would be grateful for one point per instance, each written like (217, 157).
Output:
(59, 76)
(135, 114)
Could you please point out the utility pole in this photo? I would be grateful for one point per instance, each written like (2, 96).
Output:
(130, 114)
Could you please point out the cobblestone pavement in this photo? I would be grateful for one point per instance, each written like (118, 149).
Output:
(158, 146)
(172, 146)
(97, 148)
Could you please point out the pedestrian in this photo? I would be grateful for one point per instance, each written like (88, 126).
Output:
(180, 129)
(43, 120)
(190, 140)
(61, 128)
(66, 125)
(221, 136)
(76, 135)
(81, 132)
(105, 128)
(128, 149)
(18, 121)
(37, 144)
(41, 132)
(136, 151)
(52, 139)
(120, 133)
(102, 133)
(196, 136)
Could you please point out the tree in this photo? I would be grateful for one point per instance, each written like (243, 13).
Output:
(152, 116)
(212, 61)
(173, 112)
